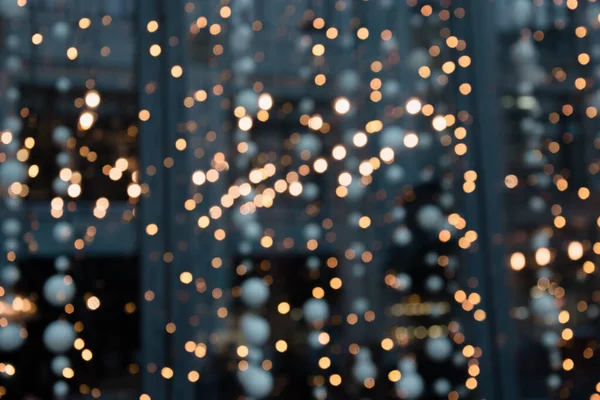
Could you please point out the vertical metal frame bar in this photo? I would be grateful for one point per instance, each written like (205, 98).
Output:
(484, 208)
(177, 187)
(154, 312)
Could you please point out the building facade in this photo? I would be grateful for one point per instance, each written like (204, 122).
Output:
(406, 181)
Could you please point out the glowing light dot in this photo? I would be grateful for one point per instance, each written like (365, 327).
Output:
(93, 303)
(568, 364)
(144, 115)
(245, 123)
(318, 50)
(387, 344)
(193, 376)
(151, 229)
(86, 120)
(281, 346)
(413, 106)
(411, 140)
(345, 179)
(87, 355)
(265, 101)
(92, 99)
(295, 188)
(511, 181)
(342, 105)
(72, 53)
(394, 376)
(583, 193)
(155, 50)
(199, 177)
(74, 190)
(315, 122)
(320, 165)
(439, 123)
(176, 71)
(68, 373)
(517, 261)
(324, 362)
(266, 242)
(186, 277)
(360, 139)
(387, 155)
(37, 39)
(339, 152)
(335, 380)
(283, 308)
(575, 250)
(542, 256)
(166, 373)
(85, 23)
(362, 33)
(152, 26)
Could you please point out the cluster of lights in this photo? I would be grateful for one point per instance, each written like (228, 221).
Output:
(254, 106)
(547, 260)
(59, 289)
(14, 152)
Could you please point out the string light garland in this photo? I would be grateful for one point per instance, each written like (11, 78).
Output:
(345, 139)
(15, 308)
(59, 289)
(548, 124)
